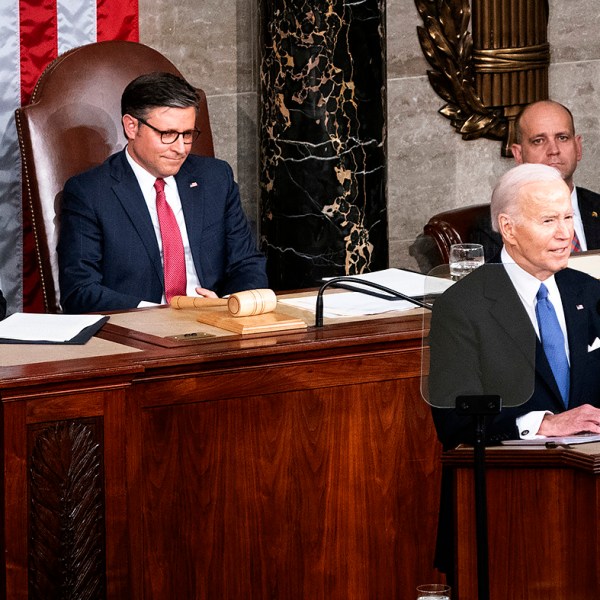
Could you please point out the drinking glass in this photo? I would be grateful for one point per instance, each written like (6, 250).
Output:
(465, 258)
(433, 591)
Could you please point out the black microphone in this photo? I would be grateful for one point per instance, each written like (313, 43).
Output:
(340, 282)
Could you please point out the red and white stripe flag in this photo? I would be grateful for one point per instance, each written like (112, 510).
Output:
(34, 33)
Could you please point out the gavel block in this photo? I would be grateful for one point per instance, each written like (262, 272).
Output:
(251, 311)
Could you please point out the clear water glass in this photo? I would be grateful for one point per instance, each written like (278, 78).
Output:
(433, 591)
(465, 258)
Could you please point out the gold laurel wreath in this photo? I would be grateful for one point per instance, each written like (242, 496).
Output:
(448, 47)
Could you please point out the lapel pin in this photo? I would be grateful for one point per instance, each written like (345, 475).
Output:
(193, 184)
(594, 214)
(579, 307)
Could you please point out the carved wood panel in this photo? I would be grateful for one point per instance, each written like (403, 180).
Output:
(66, 519)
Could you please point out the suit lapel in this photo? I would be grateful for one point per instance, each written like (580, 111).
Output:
(510, 314)
(589, 208)
(127, 190)
(507, 309)
(193, 202)
(576, 317)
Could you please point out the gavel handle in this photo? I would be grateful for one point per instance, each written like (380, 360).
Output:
(196, 302)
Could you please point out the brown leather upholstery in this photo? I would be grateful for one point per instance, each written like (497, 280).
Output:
(74, 123)
(454, 227)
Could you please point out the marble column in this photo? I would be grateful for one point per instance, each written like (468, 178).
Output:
(323, 139)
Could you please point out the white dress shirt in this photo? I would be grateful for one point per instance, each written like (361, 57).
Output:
(146, 182)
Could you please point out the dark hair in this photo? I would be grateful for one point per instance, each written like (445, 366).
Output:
(156, 90)
(519, 132)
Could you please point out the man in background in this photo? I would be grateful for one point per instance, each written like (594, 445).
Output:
(154, 221)
(546, 135)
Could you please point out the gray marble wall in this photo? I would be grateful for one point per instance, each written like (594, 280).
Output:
(214, 43)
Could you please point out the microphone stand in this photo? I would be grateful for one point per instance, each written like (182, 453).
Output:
(340, 282)
(479, 407)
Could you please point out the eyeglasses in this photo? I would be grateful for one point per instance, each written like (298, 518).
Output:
(170, 137)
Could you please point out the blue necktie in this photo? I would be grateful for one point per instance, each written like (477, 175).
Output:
(553, 342)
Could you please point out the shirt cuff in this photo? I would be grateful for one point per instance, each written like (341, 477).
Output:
(529, 424)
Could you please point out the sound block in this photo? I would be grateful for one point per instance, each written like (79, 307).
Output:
(272, 321)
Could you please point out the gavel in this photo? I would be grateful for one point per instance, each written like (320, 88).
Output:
(240, 304)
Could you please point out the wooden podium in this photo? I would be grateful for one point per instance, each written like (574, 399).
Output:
(290, 465)
(544, 526)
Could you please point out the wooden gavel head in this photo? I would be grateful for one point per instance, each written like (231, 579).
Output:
(251, 302)
(240, 304)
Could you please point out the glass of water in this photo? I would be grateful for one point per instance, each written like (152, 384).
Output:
(433, 591)
(465, 258)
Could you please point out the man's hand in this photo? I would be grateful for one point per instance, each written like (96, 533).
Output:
(570, 422)
(205, 293)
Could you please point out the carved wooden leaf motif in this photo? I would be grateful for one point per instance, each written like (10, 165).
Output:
(447, 46)
(66, 557)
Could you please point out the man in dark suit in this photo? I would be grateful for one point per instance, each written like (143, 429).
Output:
(485, 334)
(119, 249)
(545, 134)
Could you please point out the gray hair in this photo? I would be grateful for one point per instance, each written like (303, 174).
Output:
(508, 188)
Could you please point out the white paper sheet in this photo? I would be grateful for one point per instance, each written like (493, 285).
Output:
(43, 327)
(352, 304)
(349, 304)
(409, 283)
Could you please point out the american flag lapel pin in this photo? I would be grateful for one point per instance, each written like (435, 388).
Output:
(193, 184)
(579, 307)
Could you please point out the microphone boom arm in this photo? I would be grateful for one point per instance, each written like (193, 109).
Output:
(339, 281)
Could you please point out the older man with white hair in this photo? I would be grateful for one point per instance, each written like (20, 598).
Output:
(528, 310)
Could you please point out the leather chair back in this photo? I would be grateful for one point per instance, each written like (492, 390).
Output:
(73, 123)
(454, 227)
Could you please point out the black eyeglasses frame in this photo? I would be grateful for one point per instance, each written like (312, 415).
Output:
(193, 132)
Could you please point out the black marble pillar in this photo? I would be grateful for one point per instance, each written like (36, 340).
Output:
(323, 139)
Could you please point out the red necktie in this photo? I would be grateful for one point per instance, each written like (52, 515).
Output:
(173, 256)
(575, 244)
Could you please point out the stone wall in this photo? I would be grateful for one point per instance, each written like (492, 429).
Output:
(214, 43)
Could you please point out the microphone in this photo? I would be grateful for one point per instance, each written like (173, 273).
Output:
(340, 282)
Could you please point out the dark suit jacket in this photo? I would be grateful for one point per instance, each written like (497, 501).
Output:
(108, 254)
(482, 342)
(2, 306)
(589, 207)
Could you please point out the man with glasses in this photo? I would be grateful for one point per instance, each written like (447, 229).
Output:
(154, 221)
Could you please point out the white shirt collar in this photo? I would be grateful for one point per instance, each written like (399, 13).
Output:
(145, 179)
(575, 203)
(527, 285)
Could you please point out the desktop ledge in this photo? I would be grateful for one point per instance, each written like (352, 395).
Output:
(124, 350)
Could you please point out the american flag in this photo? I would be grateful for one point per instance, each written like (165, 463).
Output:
(32, 34)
